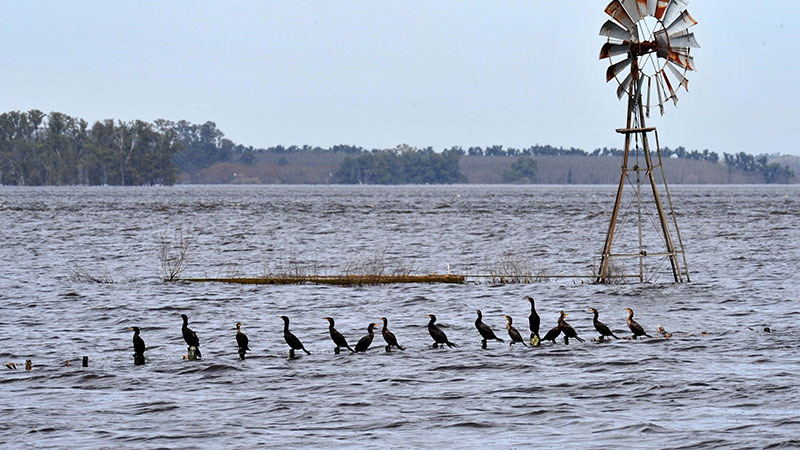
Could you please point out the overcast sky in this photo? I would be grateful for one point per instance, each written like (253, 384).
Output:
(381, 73)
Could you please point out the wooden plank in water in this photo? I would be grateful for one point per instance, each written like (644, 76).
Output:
(342, 280)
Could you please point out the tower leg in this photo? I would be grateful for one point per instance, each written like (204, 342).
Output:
(602, 275)
(662, 217)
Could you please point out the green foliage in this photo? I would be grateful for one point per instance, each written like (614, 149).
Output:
(402, 165)
(202, 145)
(773, 172)
(523, 170)
(56, 149)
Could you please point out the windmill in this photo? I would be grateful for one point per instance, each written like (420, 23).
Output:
(648, 49)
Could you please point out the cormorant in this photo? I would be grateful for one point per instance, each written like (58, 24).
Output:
(437, 334)
(533, 321)
(337, 337)
(569, 332)
(484, 330)
(634, 325)
(389, 337)
(601, 327)
(190, 336)
(241, 340)
(294, 343)
(138, 344)
(552, 334)
(513, 333)
(363, 344)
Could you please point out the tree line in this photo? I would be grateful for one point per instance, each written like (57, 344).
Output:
(57, 149)
(401, 165)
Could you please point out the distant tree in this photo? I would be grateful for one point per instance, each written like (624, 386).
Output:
(203, 145)
(523, 170)
(248, 157)
(401, 165)
(495, 150)
(455, 150)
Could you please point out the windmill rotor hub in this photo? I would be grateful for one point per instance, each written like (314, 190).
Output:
(643, 48)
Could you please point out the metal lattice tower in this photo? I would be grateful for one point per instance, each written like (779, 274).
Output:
(652, 38)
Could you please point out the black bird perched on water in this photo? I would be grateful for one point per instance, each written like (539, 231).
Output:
(241, 340)
(567, 329)
(634, 325)
(363, 344)
(533, 322)
(484, 330)
(337, 337)
(138, 346)
(389, 337)
(437, 334)
(553, 334)
(601, 327)
(190, 336)
(294, 343)
(513, 333)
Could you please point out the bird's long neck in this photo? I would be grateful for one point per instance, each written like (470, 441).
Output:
(630, 315)
(135, 334)
(596, 314)
(370, 331)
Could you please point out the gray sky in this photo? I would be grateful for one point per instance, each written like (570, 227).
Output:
(382, 73)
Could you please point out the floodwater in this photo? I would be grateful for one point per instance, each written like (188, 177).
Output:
(720, 381)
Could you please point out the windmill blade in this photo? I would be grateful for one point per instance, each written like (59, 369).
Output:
(681, 59)
(647, 106)
(639, 84)
(610, 50)
(642, 8)
(625, 85)
(683, 39)
(662, 44)
(683, 22)
(652, 5)
(674, 10)
(632, 9)
(672, 95)
(680, 76)
(617, 68)
(659, 88)
(613, 31)
(661, 6)
(617, 11)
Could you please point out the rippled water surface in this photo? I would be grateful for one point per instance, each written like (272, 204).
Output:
(721, 380)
